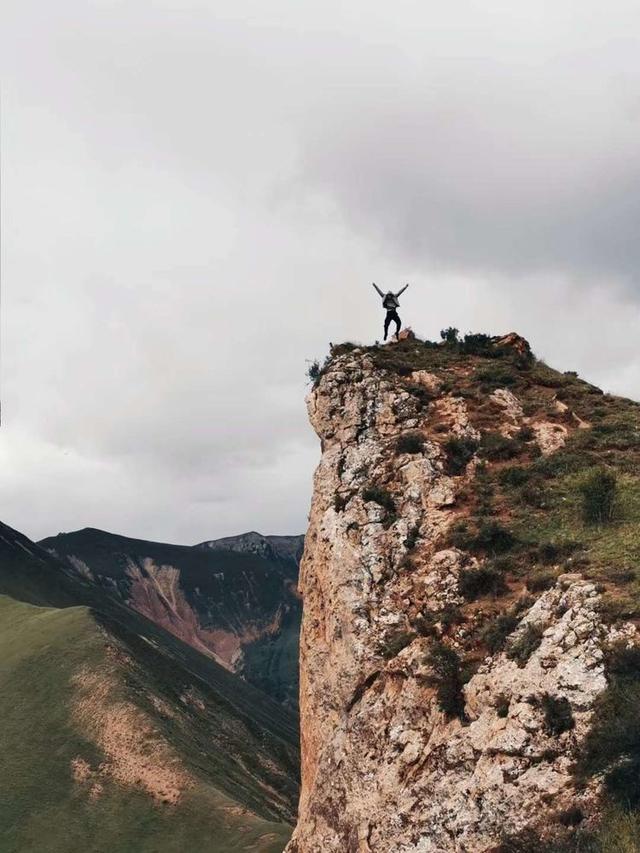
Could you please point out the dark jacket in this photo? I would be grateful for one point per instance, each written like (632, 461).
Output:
(390, 300)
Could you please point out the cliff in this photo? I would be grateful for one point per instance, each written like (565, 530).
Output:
(466, 610)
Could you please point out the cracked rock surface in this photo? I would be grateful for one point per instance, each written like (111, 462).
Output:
(383, 767)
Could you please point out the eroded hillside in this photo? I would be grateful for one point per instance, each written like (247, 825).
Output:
(117, 736)
(234, 599)
(468, 657)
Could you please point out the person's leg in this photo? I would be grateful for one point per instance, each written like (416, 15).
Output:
(387, 323)
(396, 320)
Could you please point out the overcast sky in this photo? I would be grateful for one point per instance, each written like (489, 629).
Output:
(196, 197)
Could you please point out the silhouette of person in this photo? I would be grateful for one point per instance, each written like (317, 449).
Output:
(391, 303)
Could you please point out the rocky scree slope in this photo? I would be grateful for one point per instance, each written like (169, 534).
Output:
(233, 599)
(117, 736)
(468, 649)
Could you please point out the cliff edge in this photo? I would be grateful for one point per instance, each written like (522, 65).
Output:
(464, 616)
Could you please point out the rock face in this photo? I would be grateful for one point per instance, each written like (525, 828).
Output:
(384, 768)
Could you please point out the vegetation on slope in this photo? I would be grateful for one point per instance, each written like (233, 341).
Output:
(116, 736)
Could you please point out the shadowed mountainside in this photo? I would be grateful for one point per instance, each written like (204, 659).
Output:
(118, 736)
(234, 599)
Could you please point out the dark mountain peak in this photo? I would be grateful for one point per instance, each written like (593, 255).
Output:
(270, 547)
(233, 599)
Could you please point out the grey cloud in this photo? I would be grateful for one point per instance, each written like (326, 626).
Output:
(198, 195)
(534, 172)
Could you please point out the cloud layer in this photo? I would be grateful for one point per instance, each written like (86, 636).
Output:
(196, 198)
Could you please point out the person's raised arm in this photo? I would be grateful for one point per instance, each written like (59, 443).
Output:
(378, 289)
(400, 292)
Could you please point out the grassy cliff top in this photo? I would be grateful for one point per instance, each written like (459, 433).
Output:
(539, 501)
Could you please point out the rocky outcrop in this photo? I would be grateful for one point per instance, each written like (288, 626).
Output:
(385, 767)
(287, 548)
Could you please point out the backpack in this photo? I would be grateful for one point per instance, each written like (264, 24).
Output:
(390, 301)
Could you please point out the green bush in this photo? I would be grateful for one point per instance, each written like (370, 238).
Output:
(490, 537)
(484, 491)
(493, 538)
(498, 448)
(479, 344)
(449, 335)
(460, 452)
(561, 463)
(449, 616)
(534, 494)
(558, 717)
(598, 496)
(550, 553)
(396, 643)
(495, 634)
(540, 581)
(525, 644)
(612, 746)
(502, 706)
(515, 476)
(380, 496)
(410, 442)
(339, 502)
(525, 433)
(314, 371)
(485, 580)
(495, 376)
(422, 394)
(447, 679)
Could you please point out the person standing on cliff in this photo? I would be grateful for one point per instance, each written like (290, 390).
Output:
(391, 303)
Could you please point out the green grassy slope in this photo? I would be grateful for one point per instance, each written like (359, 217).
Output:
(116, 736)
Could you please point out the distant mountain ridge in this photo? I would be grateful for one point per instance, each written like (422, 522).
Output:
(270, 547)
(234, 599)
(118, 736)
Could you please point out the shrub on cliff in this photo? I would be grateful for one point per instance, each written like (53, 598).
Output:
(613, 744)
(315, 371)
(497, 447)
(489, 537)
(484, 580)
(410, 442)
(459, 452)
(380, 496)
(495, 376)
(598, 496)
(478, 343)
(558, 717)
(495, 634)
(525, 644)
(447, 679)
(450, 335)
